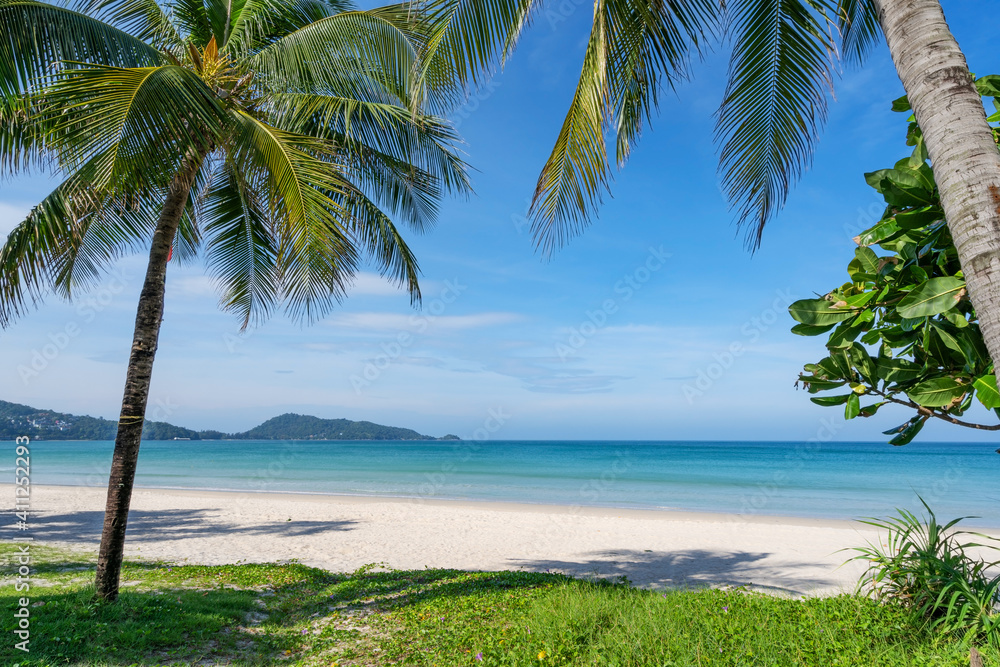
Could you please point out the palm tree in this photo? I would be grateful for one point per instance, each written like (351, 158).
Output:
(783, 61)
(275, 137)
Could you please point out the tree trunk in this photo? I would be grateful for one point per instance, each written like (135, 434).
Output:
(964, 157)
(148, 317)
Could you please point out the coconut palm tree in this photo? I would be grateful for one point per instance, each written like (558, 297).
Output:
(783, 62)
(276, 138)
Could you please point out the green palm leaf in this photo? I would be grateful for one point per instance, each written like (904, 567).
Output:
(775, 103)
(37, 36)
(239, 246)
(143, 19)
(140, 121)
(859, 28)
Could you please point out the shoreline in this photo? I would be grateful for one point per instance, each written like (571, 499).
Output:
(647, 513)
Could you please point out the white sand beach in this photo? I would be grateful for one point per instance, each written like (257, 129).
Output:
(340, 533)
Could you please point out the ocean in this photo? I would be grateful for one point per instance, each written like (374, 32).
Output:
(821, 480)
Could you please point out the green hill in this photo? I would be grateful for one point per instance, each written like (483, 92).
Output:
(20, 420)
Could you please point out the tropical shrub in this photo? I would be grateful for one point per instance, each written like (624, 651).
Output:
(902, 329)
(927, 568)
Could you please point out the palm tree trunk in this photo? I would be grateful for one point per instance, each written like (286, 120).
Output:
(965, 158)
(140, 368)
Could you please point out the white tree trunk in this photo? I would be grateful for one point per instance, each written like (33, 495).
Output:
(964, 157)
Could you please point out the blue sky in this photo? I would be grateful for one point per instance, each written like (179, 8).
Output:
(606, 340)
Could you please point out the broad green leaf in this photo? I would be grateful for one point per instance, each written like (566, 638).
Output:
(815, 385)
(989, 85)
(911, 430)
(893, 371)
(901, 187)
(863, 362)
(853, 407)
(811, 329)
(868, 259)
(919, 217)
(901, 104)
(932, 297)
(986, 390)
(877, 234)
(817, 312)
(937, 392)
(828, 401)
(870, 410)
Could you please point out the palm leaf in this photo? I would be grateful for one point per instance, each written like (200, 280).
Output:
(38, 36)
(240, 247)
(261, 22)
(315, 254)
(576, 172)
(775, 103)
(140, 121)
(351, 46)
(859, 28)
(143, 19)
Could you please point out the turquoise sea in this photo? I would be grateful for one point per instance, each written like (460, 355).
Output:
(828, 480)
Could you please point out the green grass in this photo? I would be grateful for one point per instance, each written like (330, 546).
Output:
(288, 614)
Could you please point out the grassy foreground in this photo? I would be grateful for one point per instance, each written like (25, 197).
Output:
(290, 614)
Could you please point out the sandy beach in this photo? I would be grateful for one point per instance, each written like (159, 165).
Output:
(652, 548)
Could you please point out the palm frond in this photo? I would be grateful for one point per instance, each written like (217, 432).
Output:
(193, 21)
(406, 162)
(315, 254)
(68, 240)
(351, 46)
(240, 247)
(467, 40)
(859, 28)
(20, 143)
(650, 44)
(576, 173)
(143, 19)
(261, 22)
(140, 121)
(37, 37)
(775, 103)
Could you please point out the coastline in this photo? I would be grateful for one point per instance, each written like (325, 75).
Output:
(652, 548)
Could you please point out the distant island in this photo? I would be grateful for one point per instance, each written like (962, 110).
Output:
(20, 420)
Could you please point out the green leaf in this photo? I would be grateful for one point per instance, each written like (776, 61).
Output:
(814, 385)
(817, 312)
(870, 410)
(932, 297)
(853, 407)
(868, 260)
(910, 431)
(986, 390)
(877, 234)
(901, 187)
(811, 329)
(936, 393)
(829, 401)
(901, 104)
(989, 85)
(919, 217)
(893, 370)
(863, 362)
